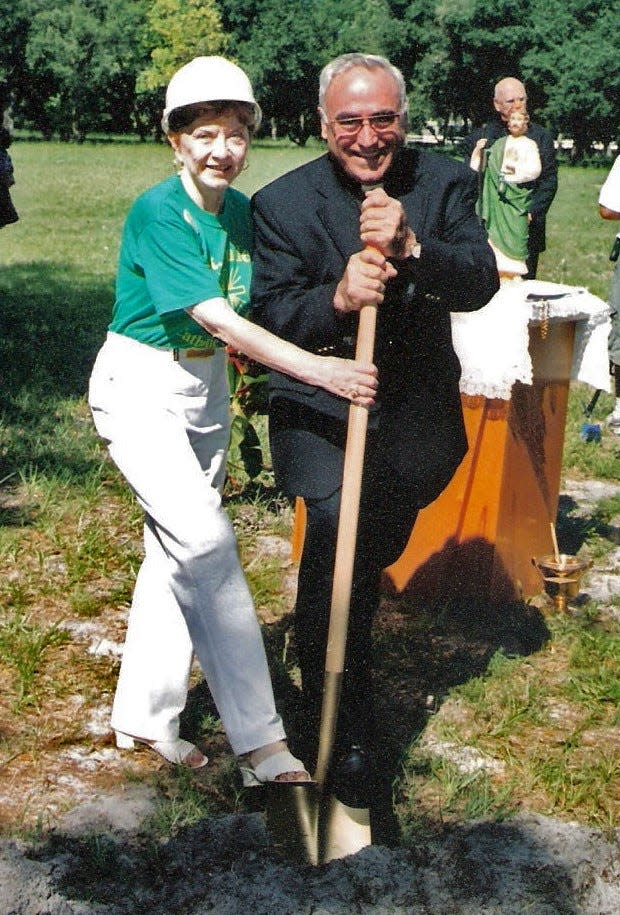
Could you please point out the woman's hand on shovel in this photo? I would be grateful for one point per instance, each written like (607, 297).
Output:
(357, 381)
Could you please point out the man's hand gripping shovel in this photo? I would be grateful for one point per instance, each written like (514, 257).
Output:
(314, 826)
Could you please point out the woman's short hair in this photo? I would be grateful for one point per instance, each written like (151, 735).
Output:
(183, 117)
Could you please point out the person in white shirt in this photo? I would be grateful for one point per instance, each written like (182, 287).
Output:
(609, 208)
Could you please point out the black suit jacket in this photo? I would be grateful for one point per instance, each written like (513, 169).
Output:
(543, 188)
(307, 227)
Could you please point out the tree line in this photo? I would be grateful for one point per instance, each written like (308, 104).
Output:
(72, 67)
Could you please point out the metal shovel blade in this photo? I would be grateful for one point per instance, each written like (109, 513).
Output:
(311, 828)
(292, 818)
(344, 830)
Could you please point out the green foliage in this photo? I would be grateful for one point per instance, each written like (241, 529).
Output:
(79, 62)
(91, 65)
(306, 36)
(451, 55)
(285, 32)
(368, 25)
(566, 52)
(177, 31)
(599, 460)
(594, 667)
(183, 802)
(247, 382)
(574, 61)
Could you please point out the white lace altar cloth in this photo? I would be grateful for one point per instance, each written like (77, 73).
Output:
(492, 343)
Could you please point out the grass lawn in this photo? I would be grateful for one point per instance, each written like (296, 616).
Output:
(70, 542)
(578, 240)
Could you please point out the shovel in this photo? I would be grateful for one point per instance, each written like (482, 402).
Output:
(313, 827)
(327, 828)
(343, 830)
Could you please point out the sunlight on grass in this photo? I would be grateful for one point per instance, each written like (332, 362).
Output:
(81, 228)
(578, 240)
(541, 730)
(597, 460)
(22, 646)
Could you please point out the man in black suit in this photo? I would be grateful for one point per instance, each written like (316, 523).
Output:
(509, 96)
(325, 245)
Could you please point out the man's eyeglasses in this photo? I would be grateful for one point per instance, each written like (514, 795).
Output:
(379, 123)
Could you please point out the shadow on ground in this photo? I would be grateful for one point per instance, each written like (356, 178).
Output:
(228, 866)
(576, 526)
(420, 655)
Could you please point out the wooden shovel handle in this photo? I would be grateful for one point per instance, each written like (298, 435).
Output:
(345, 552)
(349, 505)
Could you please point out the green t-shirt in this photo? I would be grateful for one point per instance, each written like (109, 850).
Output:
(174, 255)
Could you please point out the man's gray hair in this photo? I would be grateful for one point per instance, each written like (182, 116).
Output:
(369, 62)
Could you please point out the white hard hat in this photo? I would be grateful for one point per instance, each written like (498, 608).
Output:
(209, 79)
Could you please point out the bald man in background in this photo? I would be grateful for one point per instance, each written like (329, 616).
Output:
(509, 96)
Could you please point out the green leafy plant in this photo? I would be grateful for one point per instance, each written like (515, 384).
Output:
(247, 381)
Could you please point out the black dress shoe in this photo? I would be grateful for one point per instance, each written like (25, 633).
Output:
(351, 779)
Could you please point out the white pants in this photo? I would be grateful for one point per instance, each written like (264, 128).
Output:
(166, 424)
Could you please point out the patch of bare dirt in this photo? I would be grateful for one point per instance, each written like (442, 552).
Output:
(229, 866)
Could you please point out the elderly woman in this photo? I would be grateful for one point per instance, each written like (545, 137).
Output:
(160, 399)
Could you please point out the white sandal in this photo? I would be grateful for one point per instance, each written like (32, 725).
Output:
(270, 769)
(175, 751)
